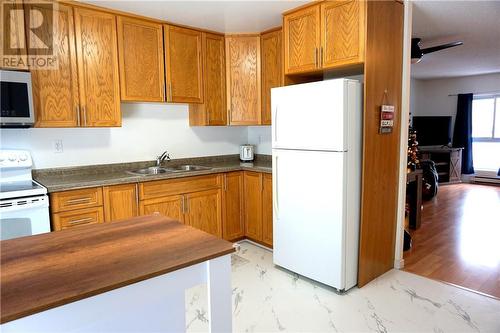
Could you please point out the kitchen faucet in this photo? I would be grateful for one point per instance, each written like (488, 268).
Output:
(162, 157)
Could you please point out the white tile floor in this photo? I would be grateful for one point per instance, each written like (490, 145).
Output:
(268, 299)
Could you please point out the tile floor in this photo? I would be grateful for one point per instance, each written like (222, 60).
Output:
(269, 299)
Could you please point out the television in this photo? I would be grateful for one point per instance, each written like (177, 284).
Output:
(432, 131)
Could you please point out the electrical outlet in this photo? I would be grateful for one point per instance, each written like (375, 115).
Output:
(58, 146)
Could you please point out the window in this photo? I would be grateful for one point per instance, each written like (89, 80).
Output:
(486, 133)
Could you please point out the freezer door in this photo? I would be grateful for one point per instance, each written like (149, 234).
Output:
(309, 116)
(308, 192)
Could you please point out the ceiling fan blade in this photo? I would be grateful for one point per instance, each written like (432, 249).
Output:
(441, 47)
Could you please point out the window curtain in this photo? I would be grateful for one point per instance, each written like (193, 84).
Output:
(462, 135)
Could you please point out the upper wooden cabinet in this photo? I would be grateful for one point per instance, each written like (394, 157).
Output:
(343, 33)
(302, 40)
(272, 69)
(213, 110)
(140, 51)
(326, 35)
(184, 69)
(55, 91)
(13, 48)
(96, 47)
(243, 79)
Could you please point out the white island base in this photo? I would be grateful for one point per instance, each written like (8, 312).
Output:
(153, 305)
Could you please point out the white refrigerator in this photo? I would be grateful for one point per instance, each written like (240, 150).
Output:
(316, 148)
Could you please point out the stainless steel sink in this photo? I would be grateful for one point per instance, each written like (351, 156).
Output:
(150, 171)
(189, 167)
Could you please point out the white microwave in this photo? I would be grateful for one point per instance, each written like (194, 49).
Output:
(16, 99)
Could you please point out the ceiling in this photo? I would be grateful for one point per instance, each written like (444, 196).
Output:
(221, 16)
(476, 23)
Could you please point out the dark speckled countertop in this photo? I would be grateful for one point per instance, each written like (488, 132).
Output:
(72, 178)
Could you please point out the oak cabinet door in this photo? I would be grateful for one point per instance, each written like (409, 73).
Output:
(140, 50)
(183, 65)
(55, 91)
(267, 209)
(13, 48)
(96, 47)
(120, 202)
(170, 206)
(243, 79)
(213, 110)
(204, 211)
(342, 33)
(233, 223)
(272, 70)
(301, 32)
(253, 205)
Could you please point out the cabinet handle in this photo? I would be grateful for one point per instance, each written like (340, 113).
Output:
(316, 57)
(137, 195)
(321, 56)
(170, 91)
(77, 110)
(81, 221)
(261, 182)
(183, 205)
(187, 205)
(225, 182)
(78, 200)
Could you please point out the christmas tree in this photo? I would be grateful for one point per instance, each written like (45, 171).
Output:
(413, 161)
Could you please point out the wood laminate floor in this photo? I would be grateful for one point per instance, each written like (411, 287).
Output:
(459, 239)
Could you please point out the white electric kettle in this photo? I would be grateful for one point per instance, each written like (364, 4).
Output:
(246, 153)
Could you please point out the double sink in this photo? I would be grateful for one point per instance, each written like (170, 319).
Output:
(155, 170)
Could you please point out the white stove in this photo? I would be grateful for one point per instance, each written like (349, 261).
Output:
(24, 204)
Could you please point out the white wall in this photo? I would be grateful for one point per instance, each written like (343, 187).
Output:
(260, 137)
(430, 97)
(147, 130)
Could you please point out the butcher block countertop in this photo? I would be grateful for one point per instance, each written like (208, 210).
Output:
(48, 270)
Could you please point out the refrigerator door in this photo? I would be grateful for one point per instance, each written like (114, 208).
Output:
(310, 116)
(308, 218)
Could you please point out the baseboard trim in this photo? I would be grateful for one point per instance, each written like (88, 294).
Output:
(248, 240)
(399, 263)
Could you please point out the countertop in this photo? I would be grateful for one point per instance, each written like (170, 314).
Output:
(62, 179)
(49, 270)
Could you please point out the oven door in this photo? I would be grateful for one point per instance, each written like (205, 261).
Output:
(24, 217)
(17, 101)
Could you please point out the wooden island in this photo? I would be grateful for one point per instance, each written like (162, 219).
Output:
(121, 276)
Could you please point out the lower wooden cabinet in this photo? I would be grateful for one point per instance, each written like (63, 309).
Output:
(171, 206)
(258, 207)
(233, 226)
(203, 211)
(120, 202)
(78, 217)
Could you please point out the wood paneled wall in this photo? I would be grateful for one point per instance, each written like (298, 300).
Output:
(383, 71)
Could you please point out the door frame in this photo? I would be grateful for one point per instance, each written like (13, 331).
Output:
(405, 117)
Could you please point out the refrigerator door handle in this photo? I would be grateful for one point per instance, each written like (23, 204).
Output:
(275, 125)
(275, 187)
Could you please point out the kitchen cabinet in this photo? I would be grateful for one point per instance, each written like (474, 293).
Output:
(55, 90)
(272, 69)
(342, 33)
(267, 209)
(140, 50)
(171, 206)
(13, 50)
(302, 40)
(253, 205)
(213, 110)
(243, 79)
(120, 202)
(203, 211)
(75, 218)
(326, 35)
(232, 197)
(183, 59)
(96, 47)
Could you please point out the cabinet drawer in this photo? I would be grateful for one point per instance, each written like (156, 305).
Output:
(69, 200)
(74, 218)
(161, 188)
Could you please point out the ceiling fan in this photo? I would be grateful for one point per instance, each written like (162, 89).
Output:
(417, 53)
